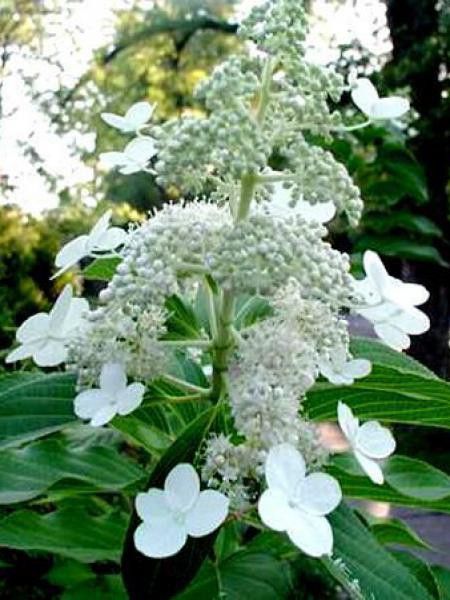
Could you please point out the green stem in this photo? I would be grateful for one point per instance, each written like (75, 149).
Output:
(185, 385)
(205, 344)
(224, 339)
(264, 96)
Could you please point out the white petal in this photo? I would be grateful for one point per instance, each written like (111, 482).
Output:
(152, 507)
(374, 440)
(182, 487)
(284, 468)
(140, 150)
(207, 514)
(104, 415)
(20, 353)
(111, 160)
(319, 494)
(89, 402)
(358, 367)
(391, 107)
(375, 270)
(364, 95)
(79, 307)
(116, 121)
(53, 353)
(370, 467)
(160, 541)
(113, 378)
(409, 294)
(72, 253)
(281, 206)
(336, 378)
(129, 167)
(312, 534)
(392, 336)
(412, 321)
(274, 509)
(138, 114)
(34, 328)
(60, 310)
(131, 398)
(99, 229)
(347, 421)
(111, 239)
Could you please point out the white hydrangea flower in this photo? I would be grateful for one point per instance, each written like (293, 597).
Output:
(340, 371)
(297, 503)
(101, 238)
(136, 117)
(370, 442)
(282, 206)
(391, 304)
(113, 398)
(134, 157)
(366, 98)
(45, 337)
(176, 512)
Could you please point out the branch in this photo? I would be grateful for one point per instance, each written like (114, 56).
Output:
(185, 26)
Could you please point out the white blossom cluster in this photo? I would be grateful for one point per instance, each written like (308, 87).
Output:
(260, 233)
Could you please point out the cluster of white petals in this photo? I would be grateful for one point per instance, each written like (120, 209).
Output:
(370, 442)
(340, 370)
(297, 503)
(179, 510)
(366, 98)
(138, 115)
(102, 238)
(135, 156)
(390, 304)
(114, 397)
(45, 337)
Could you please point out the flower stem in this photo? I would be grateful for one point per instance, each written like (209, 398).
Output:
(224, 338)
(185, 385)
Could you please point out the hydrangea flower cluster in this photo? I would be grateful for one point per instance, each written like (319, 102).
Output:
(260, 234)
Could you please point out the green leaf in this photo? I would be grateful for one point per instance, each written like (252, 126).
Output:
(380, 354)
(400, 247)
(442, 576)
(387, 394)
(241, 576)
(29, 472)
(102, 587)
(146, 577)
(358, 486)
(68, 532)
(165, 412)
(382, 223)
(421, 571)
(102, 269)
(395, 531)
(182, 321)
(378, 573)
(416, 478)
(67, 572)
(33, 405)
(250, 309)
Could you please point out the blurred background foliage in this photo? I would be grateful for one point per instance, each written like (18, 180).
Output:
(160, 54)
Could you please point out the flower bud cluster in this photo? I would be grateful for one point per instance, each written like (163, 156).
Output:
(279, 27)
(233, 82)
(260, 254)
(319, 177)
